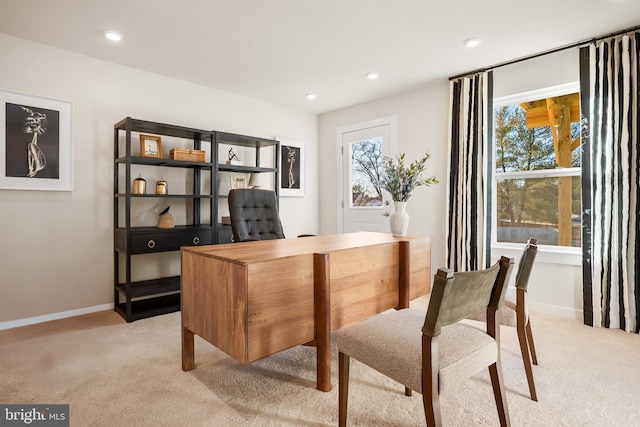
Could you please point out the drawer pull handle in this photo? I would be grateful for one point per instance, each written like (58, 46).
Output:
(196, 240)
(151, 244)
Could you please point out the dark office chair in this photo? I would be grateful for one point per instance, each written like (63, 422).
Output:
(254, 215)
(515, 312)
(434, 352)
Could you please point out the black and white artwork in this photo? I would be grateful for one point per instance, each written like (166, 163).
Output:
(292, 164)
(37, 148)
(32, 142)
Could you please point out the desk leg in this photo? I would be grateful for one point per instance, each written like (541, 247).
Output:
(404, 281)
(188, 359)
(322, 317)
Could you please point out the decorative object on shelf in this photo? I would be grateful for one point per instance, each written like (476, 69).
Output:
(238, 181)
(233, 158)
(36, 143)
(151, 146)
(292, 159)
(400, 181)
(165, 219)
(226, 220)
(254, 180)
(187, 154)
(139, 186)
(161, 186)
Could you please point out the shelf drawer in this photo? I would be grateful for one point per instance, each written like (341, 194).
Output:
(225, 234)
(168, 241)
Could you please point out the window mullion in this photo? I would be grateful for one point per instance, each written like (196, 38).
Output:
(542, 173)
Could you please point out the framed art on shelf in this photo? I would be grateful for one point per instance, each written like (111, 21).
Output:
(36, 134)
(151, 146)
(238, 181)
(229, 181)
(292, 163)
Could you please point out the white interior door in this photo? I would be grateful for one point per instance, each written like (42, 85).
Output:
(362, 204)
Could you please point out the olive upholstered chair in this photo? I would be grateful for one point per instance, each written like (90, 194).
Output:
(515, 312)
(254, 215)
(431, 353)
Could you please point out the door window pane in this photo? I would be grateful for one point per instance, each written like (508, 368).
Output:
(366, 170)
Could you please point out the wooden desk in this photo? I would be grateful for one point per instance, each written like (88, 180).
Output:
(255, 299)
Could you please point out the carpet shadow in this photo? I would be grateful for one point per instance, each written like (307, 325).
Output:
(258, 389)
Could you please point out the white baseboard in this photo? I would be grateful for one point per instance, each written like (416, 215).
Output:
(553, 310)
(564, 312)
(53, 316)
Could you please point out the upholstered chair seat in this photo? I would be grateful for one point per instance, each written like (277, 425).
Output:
(430, 352)
(464, 350)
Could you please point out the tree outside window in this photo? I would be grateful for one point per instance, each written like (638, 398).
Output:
(537, 171)
(366, 172)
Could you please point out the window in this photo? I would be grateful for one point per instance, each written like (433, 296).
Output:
(366, 171)
(536, 179)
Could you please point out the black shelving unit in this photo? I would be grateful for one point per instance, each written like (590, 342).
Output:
(135, 300)
(223, 232)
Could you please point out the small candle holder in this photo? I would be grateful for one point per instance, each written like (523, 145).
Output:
(161, 186)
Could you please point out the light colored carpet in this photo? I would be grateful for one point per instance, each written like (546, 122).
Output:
(113, 373)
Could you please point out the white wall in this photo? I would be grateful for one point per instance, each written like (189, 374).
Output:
(422, 125)
(56, 251)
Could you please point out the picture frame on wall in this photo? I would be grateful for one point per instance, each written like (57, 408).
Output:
(292, 167)
(36, 137)
(151, 146)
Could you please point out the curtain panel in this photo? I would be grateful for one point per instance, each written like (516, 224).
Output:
(468, 160)
(611, 182)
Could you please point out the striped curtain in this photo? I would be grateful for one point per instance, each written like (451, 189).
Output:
(466, 191)
(611, 161)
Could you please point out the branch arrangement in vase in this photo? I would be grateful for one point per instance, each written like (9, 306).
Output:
(400, 180)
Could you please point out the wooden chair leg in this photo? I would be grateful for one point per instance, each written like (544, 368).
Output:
(407, 391)
(343, 388)
(521, 327)
(526, 360)
(532, 347)
(495, 371)
(431, 403)
(430, 390)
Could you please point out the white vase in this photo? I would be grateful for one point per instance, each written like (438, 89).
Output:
(399, 219)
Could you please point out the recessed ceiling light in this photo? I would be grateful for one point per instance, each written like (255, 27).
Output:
(311, 96)
(372, 76)
(472, 42)
(113, 36)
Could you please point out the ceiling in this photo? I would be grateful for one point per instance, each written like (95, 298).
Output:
(280, 50)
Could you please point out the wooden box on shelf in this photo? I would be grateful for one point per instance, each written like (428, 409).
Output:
(187, 154)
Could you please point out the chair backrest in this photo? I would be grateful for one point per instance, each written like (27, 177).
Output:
(526, 264)
(456, 296)
(254, 215)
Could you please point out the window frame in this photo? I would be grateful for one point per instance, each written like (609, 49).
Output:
(548, 253)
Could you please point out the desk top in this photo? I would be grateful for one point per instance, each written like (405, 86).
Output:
(265, 250)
